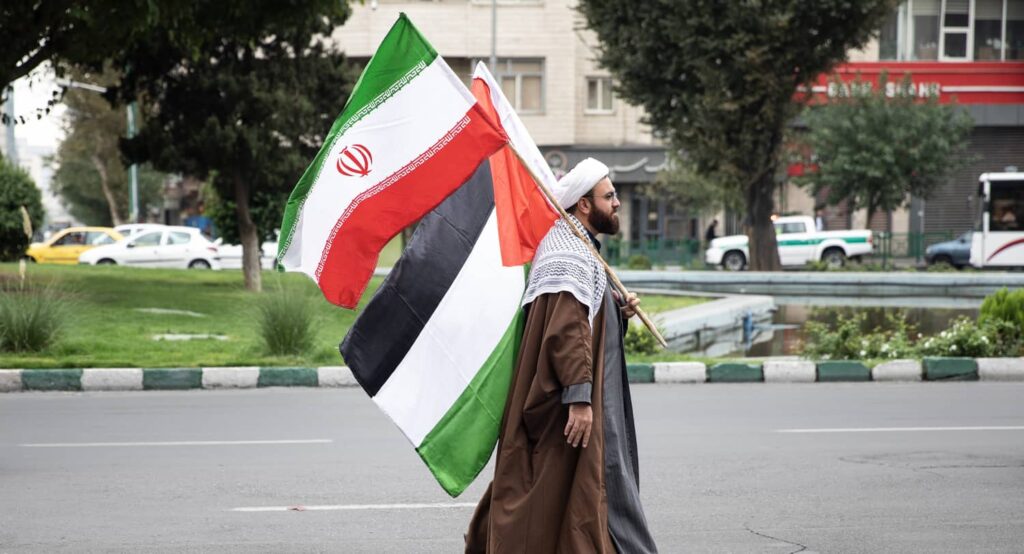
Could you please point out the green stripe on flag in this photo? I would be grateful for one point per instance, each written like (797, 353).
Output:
(402, 55)
(458, 447)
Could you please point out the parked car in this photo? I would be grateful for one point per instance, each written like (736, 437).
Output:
(65, 246)
(956, 252)
(799, 243)
(129, 230)
(169, 246)
(231, 254)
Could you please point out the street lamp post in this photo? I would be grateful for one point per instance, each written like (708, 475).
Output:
(494, 37)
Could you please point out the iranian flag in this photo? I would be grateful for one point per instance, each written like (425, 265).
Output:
(408, 136)
(436, 346)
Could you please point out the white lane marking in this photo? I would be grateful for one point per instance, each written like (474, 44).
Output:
(300, 508)
(902, 429)
(169, 443)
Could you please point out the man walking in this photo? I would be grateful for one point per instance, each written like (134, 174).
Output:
(566, 476)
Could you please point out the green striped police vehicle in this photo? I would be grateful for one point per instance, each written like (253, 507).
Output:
(799, 243)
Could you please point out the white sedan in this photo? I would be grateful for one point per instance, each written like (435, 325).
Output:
(168, 246)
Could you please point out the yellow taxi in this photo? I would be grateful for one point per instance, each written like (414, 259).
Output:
(65, 246)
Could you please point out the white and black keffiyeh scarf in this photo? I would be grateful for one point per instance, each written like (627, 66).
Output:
(564, 263)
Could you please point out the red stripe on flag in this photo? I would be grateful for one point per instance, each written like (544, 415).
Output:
(524, 215)
(380, 213)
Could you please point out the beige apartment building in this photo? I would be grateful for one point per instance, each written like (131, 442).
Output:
(547, 67)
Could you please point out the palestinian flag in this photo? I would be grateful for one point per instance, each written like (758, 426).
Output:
(436, 346)
(408, 136)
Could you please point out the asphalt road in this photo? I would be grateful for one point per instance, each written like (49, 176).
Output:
(165, 471)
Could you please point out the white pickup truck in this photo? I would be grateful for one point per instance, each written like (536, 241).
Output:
(798, 242)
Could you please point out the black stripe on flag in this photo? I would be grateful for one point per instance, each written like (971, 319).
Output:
(389, 325)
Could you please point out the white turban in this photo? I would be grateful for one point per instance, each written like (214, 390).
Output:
(579, 181)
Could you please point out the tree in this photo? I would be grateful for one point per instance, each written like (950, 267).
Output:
(250, 107)
(17, 191)
(875, 151)
(684, 187)
(90, 176)
(69, 31)
(719, 80)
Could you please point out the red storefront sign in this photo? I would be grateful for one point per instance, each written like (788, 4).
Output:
(968, 82)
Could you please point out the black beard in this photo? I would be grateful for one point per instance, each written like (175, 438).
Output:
(602, 222)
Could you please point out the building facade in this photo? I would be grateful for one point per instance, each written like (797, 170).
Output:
(546, 64)
(968, 52)
(965, 51)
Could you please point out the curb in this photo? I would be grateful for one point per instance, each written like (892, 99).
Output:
(963, 369)
(788, 372)
(843, 370)
(898, 370)
(770, 371)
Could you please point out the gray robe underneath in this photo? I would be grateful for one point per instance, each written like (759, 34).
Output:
(626, 520)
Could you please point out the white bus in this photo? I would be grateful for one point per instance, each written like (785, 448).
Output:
(999, 241)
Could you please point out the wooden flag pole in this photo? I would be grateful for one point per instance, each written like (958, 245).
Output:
(586, 240)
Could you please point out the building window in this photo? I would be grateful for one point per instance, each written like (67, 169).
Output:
(954, 30)
(599, 95)
(988, 29)
(925, 29)
(1014, 49)
(522, 81)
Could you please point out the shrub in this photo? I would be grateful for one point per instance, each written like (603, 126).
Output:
(31, 319)
(638, 261)
(639, 341)
(940, 267)
(16, 191)
(1004, 305)
(284, 321)
(993, 338)
(853, 266)
(849, 341)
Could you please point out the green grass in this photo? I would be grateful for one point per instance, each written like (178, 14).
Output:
(107, 329)
(653, 304)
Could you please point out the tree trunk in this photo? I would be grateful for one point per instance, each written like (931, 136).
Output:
(250, 238)
(105, 186)
(764, 249)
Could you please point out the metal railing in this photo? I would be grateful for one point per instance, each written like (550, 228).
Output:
(663, 252)
(889, 246)
(690, 252)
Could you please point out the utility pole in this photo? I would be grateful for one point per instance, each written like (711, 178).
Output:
(494, 38)
(133, 171)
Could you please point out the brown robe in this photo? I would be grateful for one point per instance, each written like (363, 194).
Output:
(546, 495)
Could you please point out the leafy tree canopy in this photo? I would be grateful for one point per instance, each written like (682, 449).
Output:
(686, 188)
(69, 32)
(876, 146)
(251, 106)
(17, 190)
(718, 80)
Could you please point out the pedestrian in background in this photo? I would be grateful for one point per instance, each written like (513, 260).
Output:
(710, 233)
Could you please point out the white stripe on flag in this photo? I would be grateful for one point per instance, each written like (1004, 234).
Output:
(457, 340)
(396, 132)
